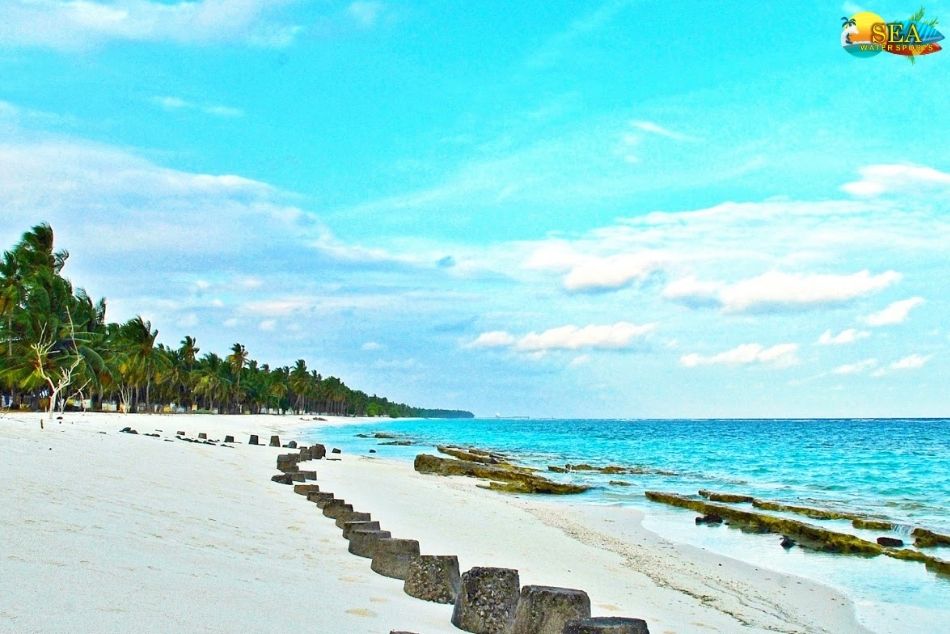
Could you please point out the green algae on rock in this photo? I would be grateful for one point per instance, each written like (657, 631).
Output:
(872, 525)
(807, 535)
(726, 497)
(816, 514)
(924, 538)
(502, 477)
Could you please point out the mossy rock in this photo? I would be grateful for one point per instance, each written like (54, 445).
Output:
(619, 483)
(556, 469)
(872, 525)
(815, 514)
(932, 564)
(924, 538)
(520, 481)
(731, 498)
(807, 535)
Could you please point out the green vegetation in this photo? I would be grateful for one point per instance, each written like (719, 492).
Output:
(57, 346)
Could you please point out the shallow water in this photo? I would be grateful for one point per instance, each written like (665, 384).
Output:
(898, 469)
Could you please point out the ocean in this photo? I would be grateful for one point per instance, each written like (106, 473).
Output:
(893, 469)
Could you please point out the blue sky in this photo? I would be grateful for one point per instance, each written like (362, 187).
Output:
(617, 209)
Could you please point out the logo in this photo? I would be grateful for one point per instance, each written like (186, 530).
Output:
(866, 34)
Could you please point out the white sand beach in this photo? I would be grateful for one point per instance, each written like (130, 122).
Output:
(112, 532)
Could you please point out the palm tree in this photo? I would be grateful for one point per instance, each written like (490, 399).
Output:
(299, 380)
(237, 360)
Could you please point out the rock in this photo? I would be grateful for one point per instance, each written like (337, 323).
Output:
(606, 625)
(890, 542)
(335, 508)
(372, 451)
(710, 519)
(932, 563)
(619, 483)
(282, 478)
(125, 430)
(354, 516)
(787, 542)
(731, 498)
(546, 610)
(305, 455)
(296, 476)
(349, 527)
(380, 434)
(335, 450)
(179, 433)
(304, 489)
(817, 514)
(202, 435)
(871, 524)
(555, 469)
(229, 439)
(309, 475)
(318, 452)
(398, 443)
(433, 578)
(363, 542)
(392, 557)
(253, 440)
(487, 600)
(807, 535)
(275, 441)
(287, 462)
(924, 538)
(320, 498)
(514, 479)
(292, 444)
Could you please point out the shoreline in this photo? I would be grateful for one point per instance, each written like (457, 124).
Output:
(626, 569)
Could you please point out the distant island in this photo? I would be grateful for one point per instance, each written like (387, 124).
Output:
(58, 349)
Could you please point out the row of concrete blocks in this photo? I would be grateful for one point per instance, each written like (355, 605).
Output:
(486, 600)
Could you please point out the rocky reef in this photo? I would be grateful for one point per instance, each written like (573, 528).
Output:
(806, 535)
(502, 477)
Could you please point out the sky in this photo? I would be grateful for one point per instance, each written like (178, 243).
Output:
(580, 209)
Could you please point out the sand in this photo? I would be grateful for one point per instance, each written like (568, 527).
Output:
(112, 532)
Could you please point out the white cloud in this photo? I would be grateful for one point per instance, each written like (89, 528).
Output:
(493, 339)
(177, 103)
(231, 322)
(776, 291)
(279, 307)
(612, 272)
(911, 362)
(780, 355)
(72, 24)
(858, 367)
(894, 313)
(592, 337)
(657, 129)
(188, 321)
(579, 360)
(849, 335)
(612, 336)
(882, 179)
(371, 345)
(365, 13)
(693, 292)
(268, 325)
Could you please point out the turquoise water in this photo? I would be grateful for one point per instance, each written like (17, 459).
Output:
(897, 469)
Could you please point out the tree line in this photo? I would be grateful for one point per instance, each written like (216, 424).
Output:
(59, 348)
